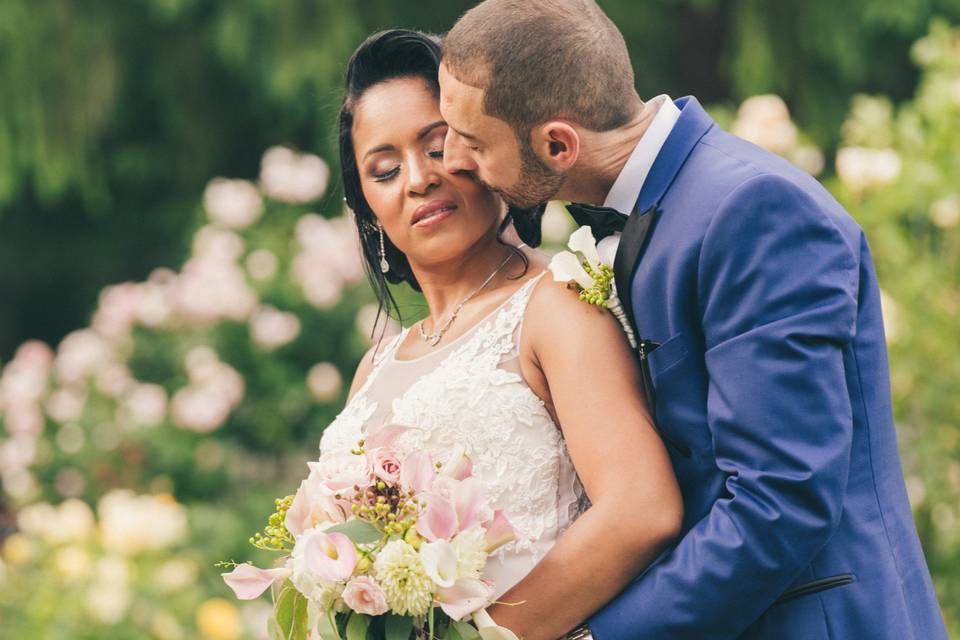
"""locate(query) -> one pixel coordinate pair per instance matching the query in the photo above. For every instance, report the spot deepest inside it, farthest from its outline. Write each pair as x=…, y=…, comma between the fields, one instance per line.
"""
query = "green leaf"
x=359, y=531
x=357, y=626
x=452, y=633
x=274, y=632
x=397, y=627
x=291, y=613
x=327, y=627
x=466, y=630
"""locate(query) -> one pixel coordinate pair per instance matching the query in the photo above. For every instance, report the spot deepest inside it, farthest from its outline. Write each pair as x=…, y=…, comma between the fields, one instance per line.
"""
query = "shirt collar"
x=626, y=188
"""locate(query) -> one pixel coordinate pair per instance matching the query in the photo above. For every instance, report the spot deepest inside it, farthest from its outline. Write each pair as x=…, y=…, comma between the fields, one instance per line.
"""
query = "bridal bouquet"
x=380, y=544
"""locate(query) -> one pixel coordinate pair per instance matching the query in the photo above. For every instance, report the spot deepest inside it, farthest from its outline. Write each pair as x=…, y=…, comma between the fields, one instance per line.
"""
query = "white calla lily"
x=439, y=560
x=566, y=266
x=582, y=240
x=490, y=630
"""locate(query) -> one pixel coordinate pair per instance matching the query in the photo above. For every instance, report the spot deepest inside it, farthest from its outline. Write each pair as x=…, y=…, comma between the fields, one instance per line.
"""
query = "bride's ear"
x=557, y=143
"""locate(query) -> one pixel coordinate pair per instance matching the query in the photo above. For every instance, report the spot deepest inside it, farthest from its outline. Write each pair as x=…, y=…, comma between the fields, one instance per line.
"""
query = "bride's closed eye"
x=386, y=176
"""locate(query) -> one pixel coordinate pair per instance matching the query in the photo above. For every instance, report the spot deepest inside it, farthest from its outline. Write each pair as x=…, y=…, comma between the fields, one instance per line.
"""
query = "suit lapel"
x=692, y=124
x=632, y=241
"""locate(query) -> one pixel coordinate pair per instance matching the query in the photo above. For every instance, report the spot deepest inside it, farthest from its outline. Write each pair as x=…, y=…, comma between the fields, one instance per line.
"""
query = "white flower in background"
x=80, y=355
x=145, y=405
x=271, y=328
x=892, y=317
x=17, y=452
x=19, y=484
x=175, y=575
x=289, y=176
x=216, y=244
x=234, y=204
x=324, y=382
x=262, y=264
x=199, y=409
x=131, y=523
x=155, y=304
x=25, y=378
x=71, y=438
x=215, y=389
x=861, y=168
x=557, y=225
x=73, y=563
x=114, y=380
x=107, y=603
x=809, y=158
x=209, y=290
x=66, y=404
x=23, y=418
x=329, y=259
x=116, y=310
x=765, y=121
x=945, y=212
x=72, y=521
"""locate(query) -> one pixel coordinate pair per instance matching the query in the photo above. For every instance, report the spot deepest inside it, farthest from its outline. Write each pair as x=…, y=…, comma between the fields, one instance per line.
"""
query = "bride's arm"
x=577, y=354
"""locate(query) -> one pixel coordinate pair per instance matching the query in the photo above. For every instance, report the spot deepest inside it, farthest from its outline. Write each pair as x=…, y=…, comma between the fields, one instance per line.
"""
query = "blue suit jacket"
x=772, y=393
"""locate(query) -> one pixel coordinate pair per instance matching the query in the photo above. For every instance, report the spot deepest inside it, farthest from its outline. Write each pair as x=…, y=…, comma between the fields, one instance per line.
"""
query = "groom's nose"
x=456, y=157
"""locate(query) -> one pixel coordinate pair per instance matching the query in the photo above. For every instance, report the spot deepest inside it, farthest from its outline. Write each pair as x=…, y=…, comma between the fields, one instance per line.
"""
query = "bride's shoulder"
x=556, y=308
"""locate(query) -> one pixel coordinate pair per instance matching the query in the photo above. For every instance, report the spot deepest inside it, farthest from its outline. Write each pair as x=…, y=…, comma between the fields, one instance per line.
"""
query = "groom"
x=763, y=346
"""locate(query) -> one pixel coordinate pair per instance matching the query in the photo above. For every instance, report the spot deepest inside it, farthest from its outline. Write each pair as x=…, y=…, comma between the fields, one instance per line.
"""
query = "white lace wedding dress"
x=470, y=391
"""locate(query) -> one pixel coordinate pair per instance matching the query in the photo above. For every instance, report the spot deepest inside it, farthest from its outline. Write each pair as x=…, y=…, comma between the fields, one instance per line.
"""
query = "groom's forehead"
x=461, y=103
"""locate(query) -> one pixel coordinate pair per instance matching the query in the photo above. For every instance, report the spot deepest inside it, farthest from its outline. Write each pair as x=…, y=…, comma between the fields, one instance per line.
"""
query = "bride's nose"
x=422, y=177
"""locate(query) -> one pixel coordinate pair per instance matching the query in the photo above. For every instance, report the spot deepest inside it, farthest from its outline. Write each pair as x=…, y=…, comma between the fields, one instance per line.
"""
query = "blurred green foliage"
x=114, y=115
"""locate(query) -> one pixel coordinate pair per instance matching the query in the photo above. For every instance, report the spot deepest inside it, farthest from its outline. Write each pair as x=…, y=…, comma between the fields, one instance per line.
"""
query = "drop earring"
x=384, y=265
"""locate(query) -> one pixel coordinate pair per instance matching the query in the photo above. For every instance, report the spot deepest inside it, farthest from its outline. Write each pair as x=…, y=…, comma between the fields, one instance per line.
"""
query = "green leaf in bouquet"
x=397, y=627
x=464, y=631
x=327, y=626
x=357, y=626
x=291, y=613
x=359, y=531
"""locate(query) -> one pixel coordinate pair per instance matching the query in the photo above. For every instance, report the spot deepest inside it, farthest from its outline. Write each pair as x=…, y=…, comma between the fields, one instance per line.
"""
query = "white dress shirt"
x=626, y=188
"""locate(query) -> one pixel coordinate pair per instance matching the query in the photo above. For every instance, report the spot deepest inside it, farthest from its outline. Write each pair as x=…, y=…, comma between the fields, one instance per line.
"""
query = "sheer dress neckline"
x=443, y=349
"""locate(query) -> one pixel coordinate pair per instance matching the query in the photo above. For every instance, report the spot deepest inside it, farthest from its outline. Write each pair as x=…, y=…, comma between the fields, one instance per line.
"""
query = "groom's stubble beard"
x=537, y=184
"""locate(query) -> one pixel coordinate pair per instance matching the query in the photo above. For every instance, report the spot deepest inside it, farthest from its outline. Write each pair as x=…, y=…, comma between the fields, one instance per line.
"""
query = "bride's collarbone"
x=470, y=317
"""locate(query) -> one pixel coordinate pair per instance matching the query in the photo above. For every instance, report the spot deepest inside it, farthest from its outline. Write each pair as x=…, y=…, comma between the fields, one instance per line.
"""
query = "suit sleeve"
x=778, y=298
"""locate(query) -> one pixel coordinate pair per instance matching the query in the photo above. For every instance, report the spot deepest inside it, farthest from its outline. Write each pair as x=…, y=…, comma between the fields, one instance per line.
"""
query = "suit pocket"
x=815, y=586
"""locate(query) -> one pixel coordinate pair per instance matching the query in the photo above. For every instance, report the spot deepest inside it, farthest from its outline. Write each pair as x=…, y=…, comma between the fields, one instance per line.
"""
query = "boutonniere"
x=592, y=277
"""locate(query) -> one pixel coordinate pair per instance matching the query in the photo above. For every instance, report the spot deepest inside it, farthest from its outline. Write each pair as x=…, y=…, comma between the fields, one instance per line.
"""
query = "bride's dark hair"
x=398, y=53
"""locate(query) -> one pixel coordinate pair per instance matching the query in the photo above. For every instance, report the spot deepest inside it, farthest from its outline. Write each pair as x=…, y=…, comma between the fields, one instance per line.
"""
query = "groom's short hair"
x=543, y=59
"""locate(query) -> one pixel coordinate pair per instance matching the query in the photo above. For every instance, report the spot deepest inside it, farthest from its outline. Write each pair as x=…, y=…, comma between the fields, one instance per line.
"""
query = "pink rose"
x=342, y=470
x=364, y=595
x=386, y=465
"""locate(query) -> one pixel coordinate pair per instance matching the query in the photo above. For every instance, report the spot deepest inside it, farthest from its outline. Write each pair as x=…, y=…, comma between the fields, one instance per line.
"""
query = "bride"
x=540, y=388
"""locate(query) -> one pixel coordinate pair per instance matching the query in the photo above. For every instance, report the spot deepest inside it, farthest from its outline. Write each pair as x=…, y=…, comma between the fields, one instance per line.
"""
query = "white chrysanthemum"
x=470, y=546
x=399, y=571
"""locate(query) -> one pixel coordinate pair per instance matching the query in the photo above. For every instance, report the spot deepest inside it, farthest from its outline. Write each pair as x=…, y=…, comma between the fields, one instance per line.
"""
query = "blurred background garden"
x=183, y=303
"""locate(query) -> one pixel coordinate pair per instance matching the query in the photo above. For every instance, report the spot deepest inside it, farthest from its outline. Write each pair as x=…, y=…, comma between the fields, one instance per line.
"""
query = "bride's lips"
x=432, y=213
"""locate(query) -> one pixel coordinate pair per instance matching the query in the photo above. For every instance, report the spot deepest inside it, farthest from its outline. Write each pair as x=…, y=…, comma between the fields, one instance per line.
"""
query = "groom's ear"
x=557, y=143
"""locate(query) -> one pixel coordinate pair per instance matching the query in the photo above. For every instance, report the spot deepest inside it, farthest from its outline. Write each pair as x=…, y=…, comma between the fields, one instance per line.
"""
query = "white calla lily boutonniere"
x=592, y=276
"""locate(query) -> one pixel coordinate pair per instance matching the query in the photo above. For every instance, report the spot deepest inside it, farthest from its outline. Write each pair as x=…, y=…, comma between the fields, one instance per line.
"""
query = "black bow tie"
x=603, y=221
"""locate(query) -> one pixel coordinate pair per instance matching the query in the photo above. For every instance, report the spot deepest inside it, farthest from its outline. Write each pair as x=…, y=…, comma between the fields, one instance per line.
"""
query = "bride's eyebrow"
x=420, y=136
x=430, y=127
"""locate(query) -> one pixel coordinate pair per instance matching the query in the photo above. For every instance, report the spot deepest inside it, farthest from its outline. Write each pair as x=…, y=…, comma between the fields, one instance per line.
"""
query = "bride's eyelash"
x=389, y=175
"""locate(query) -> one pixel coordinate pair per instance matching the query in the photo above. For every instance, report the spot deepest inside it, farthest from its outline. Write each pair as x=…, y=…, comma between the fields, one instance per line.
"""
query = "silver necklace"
x=433, y=338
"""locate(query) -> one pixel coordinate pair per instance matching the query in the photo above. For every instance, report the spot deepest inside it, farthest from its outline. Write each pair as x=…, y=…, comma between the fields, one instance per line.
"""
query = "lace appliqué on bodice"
x=473, y=394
